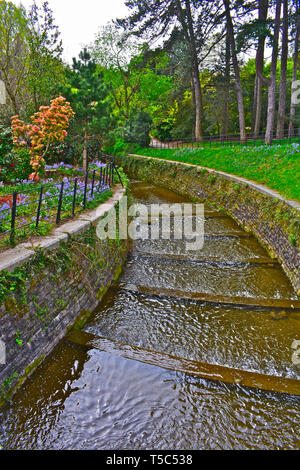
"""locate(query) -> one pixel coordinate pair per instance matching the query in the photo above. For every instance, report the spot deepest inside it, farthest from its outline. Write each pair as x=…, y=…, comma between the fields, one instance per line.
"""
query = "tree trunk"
x=186, y=21
x=199, y=106
x=272, y=86
x=254, y=108
x=262, y=16
x=35, y=101
x=258, y=107
x=295, y=68
x=239, y=90
x=196, y=75
x=225, y=118
x=85, y=155
x=284, y=59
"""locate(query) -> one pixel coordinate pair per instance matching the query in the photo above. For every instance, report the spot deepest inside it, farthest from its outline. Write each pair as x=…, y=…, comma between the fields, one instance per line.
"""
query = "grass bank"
x=277, y=166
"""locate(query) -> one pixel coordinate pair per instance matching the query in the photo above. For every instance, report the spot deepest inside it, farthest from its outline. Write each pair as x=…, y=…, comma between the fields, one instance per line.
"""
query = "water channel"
x=124, y=382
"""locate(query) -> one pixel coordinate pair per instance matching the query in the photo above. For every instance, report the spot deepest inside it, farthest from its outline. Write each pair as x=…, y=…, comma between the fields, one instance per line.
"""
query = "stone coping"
x=14, y=257
x=257, y=186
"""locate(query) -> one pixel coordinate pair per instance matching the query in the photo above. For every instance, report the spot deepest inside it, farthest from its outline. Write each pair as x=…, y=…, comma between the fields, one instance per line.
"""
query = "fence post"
x=85, y=190
x=118, y=175
x=110, y=173
x=100, y=178
x=39, y=208
x=60, y=203
x=13, y=218
x=74, y=197
x=93, y=182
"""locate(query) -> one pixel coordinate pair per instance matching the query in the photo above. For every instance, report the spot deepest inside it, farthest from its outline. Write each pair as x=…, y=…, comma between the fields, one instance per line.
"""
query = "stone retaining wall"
x=60, y=281
x=274, y=221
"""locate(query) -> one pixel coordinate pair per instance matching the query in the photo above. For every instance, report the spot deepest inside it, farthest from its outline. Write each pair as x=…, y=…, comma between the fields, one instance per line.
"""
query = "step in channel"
x=202, y=297
x=199, y=369
x=200, y=260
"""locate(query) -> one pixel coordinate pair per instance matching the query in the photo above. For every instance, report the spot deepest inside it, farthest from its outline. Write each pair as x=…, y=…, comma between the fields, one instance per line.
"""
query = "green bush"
x=122, y=148
x=137, y=129
x=6, y=141
x=163, y=132
x=15, y=165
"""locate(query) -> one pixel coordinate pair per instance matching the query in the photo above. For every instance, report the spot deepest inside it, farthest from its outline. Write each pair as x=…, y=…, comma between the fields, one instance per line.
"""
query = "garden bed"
x=29, y=209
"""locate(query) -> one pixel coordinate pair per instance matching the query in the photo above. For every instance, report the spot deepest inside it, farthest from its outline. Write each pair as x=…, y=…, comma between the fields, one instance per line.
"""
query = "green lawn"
x=276, y=166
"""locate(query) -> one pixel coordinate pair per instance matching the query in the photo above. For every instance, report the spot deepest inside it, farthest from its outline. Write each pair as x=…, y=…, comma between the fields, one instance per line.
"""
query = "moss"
x=81, y=321
x=8, y=387
x=30, y=369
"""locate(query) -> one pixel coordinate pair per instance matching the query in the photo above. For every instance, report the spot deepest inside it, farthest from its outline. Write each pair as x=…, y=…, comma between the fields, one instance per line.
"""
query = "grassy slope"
x=277, y=166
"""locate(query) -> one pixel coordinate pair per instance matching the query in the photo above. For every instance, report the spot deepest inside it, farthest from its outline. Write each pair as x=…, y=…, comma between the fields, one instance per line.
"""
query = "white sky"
x=79, y=21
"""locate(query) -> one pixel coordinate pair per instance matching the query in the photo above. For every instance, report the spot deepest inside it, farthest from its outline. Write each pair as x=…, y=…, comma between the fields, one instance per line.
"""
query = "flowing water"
x=127, y=386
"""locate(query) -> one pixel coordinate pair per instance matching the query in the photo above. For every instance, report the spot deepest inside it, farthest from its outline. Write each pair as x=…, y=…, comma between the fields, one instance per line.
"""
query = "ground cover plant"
x=276, y=166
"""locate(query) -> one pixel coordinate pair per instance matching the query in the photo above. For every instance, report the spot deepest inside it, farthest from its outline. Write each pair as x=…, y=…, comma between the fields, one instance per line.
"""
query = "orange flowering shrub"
x=48, y=125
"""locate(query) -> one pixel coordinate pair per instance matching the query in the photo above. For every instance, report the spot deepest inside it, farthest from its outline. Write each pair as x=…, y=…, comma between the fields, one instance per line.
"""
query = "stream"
x=127, y=382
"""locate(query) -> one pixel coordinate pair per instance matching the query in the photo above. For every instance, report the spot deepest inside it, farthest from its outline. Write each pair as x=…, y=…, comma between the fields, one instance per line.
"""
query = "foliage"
x=44, y=65
x=13, y=51
x=49, y=124
x=137, y=129
x=87, y=94
x=6, y=141
x=15, y=165
x=30, y=58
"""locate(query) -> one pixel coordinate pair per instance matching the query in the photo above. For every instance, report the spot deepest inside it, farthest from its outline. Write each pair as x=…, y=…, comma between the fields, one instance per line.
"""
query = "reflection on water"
x=89, y=399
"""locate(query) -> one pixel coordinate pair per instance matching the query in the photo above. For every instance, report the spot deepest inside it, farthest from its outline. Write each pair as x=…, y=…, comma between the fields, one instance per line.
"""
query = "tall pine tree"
x=87, y=95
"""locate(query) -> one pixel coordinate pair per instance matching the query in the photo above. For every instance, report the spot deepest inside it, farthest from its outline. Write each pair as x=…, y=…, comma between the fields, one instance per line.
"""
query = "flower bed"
x=38, y=207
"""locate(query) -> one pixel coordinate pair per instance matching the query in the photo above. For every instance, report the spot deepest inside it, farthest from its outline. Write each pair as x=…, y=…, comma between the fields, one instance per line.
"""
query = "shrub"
x=138, y=128
x=6, y=141
x=15, y=165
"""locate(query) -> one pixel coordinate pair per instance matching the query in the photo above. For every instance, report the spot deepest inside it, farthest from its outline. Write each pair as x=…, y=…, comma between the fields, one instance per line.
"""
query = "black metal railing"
x=23, y=213
x=224, y=140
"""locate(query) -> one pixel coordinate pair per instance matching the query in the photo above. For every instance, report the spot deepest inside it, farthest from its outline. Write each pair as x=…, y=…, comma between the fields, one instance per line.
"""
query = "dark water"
x=85, y=398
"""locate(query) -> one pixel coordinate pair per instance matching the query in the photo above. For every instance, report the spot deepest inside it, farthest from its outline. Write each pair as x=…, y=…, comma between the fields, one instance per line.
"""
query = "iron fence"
x=29, y=212
x=224, y=140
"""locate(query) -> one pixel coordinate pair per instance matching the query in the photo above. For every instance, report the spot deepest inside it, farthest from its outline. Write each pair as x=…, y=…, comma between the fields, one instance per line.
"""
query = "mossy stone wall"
x=57, y=290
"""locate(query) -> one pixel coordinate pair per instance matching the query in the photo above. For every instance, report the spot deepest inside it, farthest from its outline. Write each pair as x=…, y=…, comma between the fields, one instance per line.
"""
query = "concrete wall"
x=273, y=220
x=60, y=281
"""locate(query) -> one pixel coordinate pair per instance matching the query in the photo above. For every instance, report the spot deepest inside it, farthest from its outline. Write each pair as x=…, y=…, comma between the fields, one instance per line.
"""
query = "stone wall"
x=274, y=221
x=53, y=291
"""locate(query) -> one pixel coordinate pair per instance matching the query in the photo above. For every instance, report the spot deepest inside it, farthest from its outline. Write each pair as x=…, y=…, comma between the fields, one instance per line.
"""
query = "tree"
x=48, y=125
x=239, y=90
x=114, y=51
x=295, y=68
x=283, y=70
x=263, y=6
x=44, y=64
x=87, y=94
x=272, y=82
x=13, y=53
x=159, y=19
